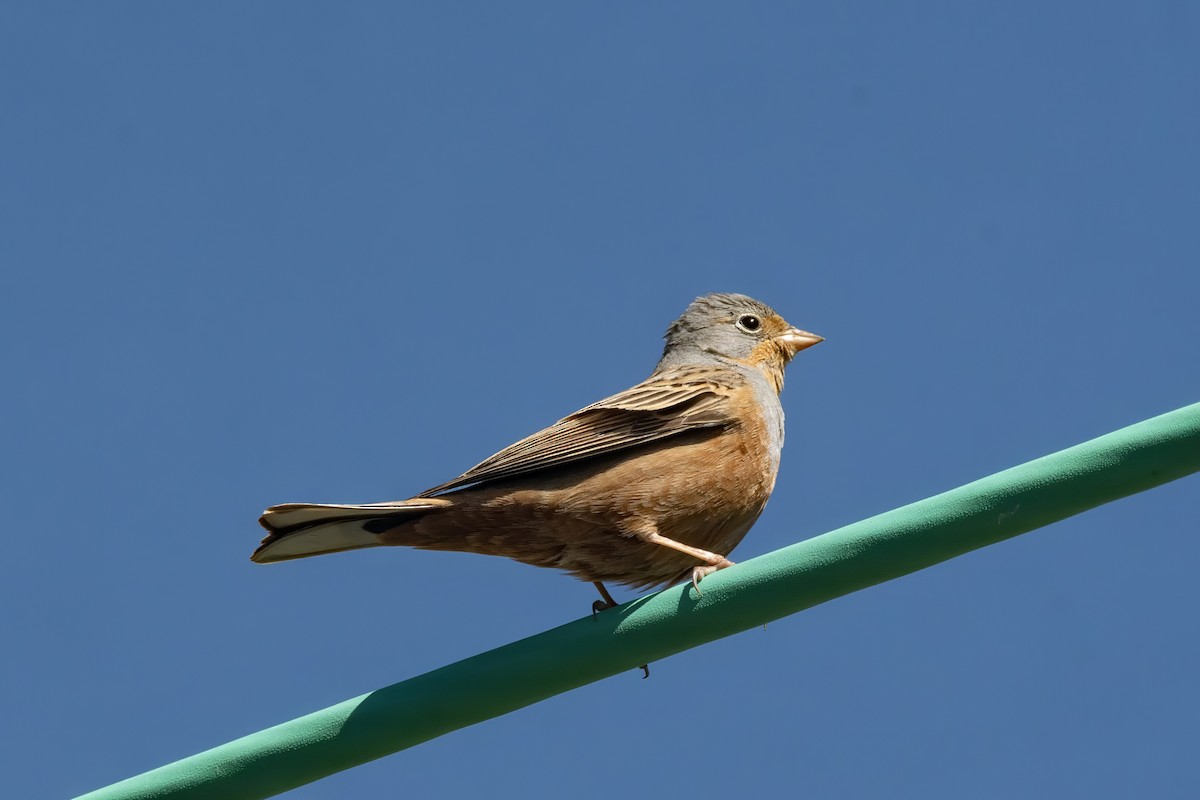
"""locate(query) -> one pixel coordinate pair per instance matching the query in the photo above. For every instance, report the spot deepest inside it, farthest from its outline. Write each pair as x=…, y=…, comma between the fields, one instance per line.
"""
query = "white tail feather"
x=331, y=538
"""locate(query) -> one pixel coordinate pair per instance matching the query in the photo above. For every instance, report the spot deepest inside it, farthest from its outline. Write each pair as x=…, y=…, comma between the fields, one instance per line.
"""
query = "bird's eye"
x=749, y=323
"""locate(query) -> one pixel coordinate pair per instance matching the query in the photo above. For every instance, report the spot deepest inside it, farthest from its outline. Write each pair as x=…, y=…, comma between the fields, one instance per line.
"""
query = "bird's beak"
x=796, y=340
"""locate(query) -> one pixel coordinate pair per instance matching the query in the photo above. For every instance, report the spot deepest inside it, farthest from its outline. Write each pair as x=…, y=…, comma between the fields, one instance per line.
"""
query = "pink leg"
x=713, y=561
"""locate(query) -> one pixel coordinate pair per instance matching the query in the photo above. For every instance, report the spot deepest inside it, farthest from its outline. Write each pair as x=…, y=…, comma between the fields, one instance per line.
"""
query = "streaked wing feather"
x=665, y=404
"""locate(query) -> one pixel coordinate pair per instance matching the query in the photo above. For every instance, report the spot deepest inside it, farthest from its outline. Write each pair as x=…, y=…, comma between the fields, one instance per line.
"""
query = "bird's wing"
x=666, y=404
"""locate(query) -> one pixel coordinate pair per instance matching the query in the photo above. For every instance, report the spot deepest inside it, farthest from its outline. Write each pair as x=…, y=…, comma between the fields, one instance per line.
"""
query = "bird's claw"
x=701, y=572
x=605, y=604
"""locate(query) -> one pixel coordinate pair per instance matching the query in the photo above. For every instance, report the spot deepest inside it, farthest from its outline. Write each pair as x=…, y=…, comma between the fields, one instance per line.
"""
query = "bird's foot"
x=605, y=604
x=700, y=573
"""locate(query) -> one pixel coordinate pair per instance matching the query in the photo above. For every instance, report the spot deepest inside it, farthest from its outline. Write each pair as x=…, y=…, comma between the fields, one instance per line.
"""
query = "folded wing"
x=666, y=404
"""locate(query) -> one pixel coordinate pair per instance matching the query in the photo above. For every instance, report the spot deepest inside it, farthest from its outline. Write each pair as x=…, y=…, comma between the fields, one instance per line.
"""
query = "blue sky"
x=266, y=252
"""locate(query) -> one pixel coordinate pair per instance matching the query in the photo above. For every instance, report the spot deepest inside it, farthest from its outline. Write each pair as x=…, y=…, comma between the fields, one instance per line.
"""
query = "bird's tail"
x=298, y=530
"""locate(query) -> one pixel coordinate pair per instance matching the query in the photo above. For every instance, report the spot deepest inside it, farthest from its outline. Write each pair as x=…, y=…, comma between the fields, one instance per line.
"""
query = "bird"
x=650, y=487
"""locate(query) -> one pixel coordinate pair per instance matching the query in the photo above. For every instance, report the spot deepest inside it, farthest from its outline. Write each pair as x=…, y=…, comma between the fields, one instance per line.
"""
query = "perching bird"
x=652, y=486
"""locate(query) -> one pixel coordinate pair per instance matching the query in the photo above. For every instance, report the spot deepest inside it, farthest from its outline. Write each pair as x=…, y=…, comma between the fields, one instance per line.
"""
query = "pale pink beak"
x=796, y=340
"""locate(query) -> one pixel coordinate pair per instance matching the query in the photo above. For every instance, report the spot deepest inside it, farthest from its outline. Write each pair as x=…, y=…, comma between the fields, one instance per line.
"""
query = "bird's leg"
x=713, y=561
x=604, y=605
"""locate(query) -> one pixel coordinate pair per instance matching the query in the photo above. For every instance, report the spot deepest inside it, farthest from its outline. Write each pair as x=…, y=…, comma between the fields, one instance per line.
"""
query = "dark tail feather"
x=299, y=530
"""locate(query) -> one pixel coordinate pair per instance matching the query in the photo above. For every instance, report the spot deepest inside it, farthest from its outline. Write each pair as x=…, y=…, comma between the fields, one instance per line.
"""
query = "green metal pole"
x=754, y=592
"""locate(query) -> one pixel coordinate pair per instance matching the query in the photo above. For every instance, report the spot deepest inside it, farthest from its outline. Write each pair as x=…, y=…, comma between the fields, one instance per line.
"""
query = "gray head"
x=722, y=327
